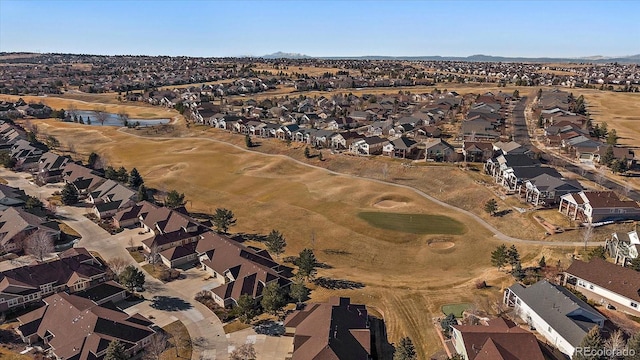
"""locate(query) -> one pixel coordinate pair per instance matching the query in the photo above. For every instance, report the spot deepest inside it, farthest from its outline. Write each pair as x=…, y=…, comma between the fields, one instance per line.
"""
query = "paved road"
x=497, y=233
x=201, y=323
x=522, y=135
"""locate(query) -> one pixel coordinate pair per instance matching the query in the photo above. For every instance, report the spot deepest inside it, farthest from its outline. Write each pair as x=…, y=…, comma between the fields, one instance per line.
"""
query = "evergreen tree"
x=116, y=351
x=275, y=243
x=598, y=252
x=93, y=159
x=491, y=206
x=307, y=264
x=246, y=308
x=446, y=324
x=110, y=173
x=131, y=277
x=135, y=180
x=513, y=256
x=143, y=193
x=591, y=341
x=122, y=175
x=612, y=137
x=307, y=153
x=223, y=219
x=248, y=142
x=273, y=298
x=405, y=350
x=499, y=256
x=635, y=264
x=618, y=166
x=298, y=291
x=542, y=263
x=608, y=156
x=174, y=199
x=69, y=194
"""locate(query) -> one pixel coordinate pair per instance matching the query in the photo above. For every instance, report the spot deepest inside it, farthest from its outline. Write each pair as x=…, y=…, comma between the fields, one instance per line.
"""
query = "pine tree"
x=405, y=350
x=273, y=298
x=223, y=219
x=247, y=141
x=542, y=263
x=499, y=256
x=135, y=180
x=307, y=153
x=275, y=243
x=306, y=264
x=174, y=199
x=69, y=194
x=298, y=291
x=142, y=194
x=591, y=341
x=116, y=351
x=491, y=206
x=608, y=156
x=513, y=256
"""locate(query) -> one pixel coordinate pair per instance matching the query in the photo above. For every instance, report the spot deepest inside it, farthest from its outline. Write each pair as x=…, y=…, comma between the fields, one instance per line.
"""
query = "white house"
x=606, y=283
x=554, y=312
x=624, y=247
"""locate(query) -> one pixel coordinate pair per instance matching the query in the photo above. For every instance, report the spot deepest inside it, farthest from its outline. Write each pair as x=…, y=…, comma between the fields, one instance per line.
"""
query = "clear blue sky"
x=323, y=28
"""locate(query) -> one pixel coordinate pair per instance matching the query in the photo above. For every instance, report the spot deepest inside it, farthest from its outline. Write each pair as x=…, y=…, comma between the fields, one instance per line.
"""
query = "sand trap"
x=389, y=204
x=441, y=244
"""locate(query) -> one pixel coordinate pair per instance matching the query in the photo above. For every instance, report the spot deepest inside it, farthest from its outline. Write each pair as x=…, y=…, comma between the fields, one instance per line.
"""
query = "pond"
x=114, y=120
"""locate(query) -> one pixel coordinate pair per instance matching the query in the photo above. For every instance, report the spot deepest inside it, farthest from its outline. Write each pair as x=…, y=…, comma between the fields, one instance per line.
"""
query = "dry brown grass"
x=98, y=101
x=405, y=279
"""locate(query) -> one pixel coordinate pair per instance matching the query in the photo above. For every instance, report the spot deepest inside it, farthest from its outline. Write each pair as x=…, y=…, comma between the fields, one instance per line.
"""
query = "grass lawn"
x=455, y=309
x=414, y=223
x=154, y=271
x=137, y=256
x=177, y=333
x=8, y=354
x=235, y=325
x=68, y=230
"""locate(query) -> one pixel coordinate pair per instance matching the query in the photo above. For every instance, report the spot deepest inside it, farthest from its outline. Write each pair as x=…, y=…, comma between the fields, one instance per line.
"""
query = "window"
x=550, y=330
x=634, y=305
x=590, y=287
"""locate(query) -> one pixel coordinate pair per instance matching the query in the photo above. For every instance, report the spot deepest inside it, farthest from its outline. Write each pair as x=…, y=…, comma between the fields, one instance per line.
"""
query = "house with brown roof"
x=17, y=225
x=50, y=167
x=75, y=328
x=439, y=150
x=606, y=284
x=242, y=269
x=111, y=197
x=498, y=339
x=475, y=151
x=82, y=178
x=336, y=330
x=598, y=206
x=74, y=270
x=10, y=196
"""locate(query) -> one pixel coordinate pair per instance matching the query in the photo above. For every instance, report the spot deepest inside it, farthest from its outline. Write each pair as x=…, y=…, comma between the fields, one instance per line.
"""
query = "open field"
x=309, y=70
x=413, y=223
x=88, y=102
x=405, y=278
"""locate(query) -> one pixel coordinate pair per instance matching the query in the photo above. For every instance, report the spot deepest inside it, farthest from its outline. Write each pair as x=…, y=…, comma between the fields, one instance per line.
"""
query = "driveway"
x=164, y=303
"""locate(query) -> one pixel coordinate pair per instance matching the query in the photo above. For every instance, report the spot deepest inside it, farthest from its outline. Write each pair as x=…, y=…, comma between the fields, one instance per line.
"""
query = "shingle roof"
x=331, y=331
x=559, y=308
x=618, y=279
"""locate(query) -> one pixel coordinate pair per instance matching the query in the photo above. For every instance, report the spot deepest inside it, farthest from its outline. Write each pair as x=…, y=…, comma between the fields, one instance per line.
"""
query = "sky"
x=322, y=28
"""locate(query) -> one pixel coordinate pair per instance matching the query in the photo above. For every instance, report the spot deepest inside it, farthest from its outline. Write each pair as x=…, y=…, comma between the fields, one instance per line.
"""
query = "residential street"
x=201, y=323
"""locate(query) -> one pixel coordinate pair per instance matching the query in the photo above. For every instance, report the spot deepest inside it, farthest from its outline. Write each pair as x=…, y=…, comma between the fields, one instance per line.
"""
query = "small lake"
x=114, y=120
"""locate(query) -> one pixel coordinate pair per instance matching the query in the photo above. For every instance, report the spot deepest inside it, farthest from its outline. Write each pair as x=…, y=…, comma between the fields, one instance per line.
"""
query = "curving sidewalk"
x=497, y=233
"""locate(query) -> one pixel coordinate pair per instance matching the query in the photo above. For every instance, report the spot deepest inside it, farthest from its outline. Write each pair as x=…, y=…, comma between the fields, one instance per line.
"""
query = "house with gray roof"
x=554, y=312
x=546, y=189
x=401, y=147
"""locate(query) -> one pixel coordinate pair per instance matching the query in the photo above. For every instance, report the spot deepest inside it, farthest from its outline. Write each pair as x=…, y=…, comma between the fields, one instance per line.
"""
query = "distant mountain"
x=284, y=55
x=473, y=58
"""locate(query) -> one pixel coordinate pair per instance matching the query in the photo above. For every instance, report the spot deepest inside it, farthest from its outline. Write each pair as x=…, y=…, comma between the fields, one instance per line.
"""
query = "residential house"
x=17, y=226
x=82, y=178
x=606, y=284
x=73, y=271
x=74, y=328
x=368, y=146
x=111, y=197
x=624, y=247
x=554, y=312
x=545, y=189
x=598, y=206
x=498, y=339
x=479, y=129
x=474, y=151
x=439, y=150
x=243, y=270
x=401, y=147
x=510, y=147
x=50, y=168
x=335, y=330
x=10, y=196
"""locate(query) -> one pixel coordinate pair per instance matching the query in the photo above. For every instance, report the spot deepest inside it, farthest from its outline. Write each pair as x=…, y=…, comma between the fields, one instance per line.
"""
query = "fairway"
x=414, y=223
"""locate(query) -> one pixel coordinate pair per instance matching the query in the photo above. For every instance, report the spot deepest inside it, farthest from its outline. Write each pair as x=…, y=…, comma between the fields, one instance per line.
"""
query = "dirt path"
x=497, y=233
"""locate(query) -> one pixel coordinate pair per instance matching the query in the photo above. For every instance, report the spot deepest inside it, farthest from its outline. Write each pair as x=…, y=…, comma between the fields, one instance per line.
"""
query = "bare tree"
x=72, y=111
x=39, y=244
x=117, y=264
x=101, y=115
x=615, y=344
x=243, y=352
x=586, y=234
x=156, y=347
x=123, y=117
x=181, y=340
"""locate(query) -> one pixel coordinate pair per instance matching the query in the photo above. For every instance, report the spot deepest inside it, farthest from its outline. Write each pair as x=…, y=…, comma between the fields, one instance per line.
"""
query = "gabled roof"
x=58, y=272
x=500, y=339
x=559, y=308
x=620, y=280
x=331, y=331
x=17, y=222
x=80, y=328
